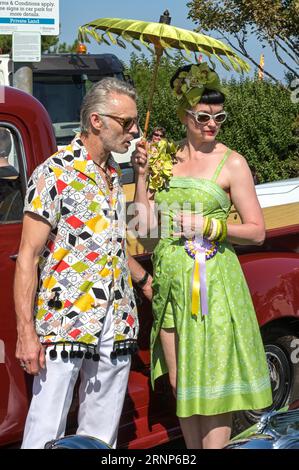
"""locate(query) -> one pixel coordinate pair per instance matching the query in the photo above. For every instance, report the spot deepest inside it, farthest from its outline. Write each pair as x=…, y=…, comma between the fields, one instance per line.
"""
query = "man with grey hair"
x=85, y=318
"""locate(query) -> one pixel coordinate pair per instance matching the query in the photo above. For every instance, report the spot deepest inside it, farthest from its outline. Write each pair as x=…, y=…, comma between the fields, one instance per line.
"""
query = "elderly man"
x=85, y=317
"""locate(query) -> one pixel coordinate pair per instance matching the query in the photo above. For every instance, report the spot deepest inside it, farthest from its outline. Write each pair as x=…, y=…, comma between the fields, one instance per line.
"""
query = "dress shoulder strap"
x=221, y=164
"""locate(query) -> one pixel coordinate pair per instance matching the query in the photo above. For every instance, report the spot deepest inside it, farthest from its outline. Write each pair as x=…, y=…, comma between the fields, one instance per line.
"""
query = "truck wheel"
x=278, y=351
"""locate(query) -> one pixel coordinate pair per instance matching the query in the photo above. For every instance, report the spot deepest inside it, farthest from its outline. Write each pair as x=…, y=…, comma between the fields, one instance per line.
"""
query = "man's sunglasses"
x=126, y=123
x=157, y=134
x=204, y=118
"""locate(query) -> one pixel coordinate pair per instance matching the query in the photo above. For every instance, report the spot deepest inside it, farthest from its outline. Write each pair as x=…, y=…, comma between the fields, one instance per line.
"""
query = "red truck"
x=272, y=273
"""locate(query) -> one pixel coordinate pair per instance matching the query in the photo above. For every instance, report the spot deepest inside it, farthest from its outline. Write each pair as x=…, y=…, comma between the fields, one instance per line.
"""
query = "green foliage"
x=65, y=48
x=269, y=18
x=48, y=42
x=261, y=126
x=5, y=44
x=262, y=123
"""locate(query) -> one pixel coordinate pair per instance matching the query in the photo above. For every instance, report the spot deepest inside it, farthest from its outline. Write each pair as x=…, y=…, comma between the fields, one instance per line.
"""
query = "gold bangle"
x=213, y=232
x=224, y=231
x=206, y=226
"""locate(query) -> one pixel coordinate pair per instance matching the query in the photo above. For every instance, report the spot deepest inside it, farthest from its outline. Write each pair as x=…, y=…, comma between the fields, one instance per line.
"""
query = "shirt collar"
x=84, y=163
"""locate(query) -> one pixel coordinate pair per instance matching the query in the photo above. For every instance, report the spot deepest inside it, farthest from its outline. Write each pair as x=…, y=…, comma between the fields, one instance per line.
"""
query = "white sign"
x=26, y=47
x=29, y=15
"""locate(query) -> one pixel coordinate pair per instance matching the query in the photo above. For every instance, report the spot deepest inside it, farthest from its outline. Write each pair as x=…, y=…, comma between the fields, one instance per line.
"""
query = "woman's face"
x=157, y=136
x=206, y=131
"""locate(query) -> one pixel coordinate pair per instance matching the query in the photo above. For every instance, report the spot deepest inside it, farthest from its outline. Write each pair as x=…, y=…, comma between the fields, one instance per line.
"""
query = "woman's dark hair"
x=209, y=96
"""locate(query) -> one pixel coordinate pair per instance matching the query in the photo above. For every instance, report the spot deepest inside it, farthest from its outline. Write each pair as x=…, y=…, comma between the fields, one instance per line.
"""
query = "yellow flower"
x=161, y=158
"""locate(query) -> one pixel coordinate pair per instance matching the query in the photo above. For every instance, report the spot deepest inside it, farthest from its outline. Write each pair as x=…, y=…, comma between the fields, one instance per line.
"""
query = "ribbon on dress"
x=200, y=250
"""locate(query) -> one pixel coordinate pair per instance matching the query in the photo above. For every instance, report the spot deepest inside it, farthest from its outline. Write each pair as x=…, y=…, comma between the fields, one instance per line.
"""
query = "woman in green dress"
x=205, y=332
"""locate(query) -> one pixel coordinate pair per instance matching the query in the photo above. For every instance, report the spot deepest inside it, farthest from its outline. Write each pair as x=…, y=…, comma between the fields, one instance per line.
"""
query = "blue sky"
x=74, y=13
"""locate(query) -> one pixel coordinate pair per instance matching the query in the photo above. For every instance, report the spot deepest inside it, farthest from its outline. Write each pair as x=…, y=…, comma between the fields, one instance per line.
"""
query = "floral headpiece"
x=190, y=85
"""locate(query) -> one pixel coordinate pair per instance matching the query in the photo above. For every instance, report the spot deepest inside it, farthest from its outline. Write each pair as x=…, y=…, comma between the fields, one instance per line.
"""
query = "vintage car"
x=274, y=430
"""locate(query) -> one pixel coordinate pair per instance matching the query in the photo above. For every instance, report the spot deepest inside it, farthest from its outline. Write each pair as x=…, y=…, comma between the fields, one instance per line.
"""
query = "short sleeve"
x=42, y=197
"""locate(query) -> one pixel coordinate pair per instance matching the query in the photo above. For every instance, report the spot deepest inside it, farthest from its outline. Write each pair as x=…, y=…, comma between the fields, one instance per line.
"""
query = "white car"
x=278, y=192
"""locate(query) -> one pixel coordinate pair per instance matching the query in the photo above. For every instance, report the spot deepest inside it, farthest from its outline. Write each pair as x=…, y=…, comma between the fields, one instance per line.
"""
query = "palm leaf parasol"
x=158, y=38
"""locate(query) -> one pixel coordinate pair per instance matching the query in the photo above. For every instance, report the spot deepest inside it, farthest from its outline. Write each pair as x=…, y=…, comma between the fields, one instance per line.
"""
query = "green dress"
x=221, y=360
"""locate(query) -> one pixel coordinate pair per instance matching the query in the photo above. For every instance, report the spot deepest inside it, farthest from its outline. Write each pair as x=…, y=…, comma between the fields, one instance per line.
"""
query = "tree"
x=274, y=22
x=261, y=125
x=63, y=47
x=5, y=44
x=47, y=43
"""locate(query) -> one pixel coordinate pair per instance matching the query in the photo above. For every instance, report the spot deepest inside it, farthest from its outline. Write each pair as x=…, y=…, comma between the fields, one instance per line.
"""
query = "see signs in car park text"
x=29, y=15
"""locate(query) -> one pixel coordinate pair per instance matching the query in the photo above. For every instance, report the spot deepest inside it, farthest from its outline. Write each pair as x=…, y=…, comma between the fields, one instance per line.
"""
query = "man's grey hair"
x=97, y=99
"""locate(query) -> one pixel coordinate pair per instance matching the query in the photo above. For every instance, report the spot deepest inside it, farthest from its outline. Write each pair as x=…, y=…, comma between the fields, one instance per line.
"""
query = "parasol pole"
x=165, y=18
x=159, y=52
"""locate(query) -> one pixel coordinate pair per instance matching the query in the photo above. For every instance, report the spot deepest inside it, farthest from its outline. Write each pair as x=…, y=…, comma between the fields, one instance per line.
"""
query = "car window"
x=11, y=197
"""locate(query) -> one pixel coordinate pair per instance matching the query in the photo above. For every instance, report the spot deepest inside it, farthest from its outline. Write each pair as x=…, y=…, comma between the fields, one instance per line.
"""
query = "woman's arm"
x=243, y=196
x=143, y=199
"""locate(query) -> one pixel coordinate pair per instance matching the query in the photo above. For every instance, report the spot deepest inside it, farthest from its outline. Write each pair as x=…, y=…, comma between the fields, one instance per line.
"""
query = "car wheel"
x=278, y=352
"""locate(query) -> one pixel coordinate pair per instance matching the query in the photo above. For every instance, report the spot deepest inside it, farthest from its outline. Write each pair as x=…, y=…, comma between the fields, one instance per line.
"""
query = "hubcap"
x=280, y=376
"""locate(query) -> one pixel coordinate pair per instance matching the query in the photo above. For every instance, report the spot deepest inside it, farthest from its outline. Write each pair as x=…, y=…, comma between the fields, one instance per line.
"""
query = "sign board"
x=37, y=16
x=26, y=47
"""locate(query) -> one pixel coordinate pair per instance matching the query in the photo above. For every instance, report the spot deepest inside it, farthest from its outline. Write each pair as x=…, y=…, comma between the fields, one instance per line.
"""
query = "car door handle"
x=14, y=257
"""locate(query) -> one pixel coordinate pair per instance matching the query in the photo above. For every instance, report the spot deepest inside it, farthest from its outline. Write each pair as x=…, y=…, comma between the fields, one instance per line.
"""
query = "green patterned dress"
x=221, y=360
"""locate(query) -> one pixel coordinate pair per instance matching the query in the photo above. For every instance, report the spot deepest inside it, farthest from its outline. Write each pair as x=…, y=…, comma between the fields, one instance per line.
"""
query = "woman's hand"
x=147, y=289
x=139, y=159
x=188, y=225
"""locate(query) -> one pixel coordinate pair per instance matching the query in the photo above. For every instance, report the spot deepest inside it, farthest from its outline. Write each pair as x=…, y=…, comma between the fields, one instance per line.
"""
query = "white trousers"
x=101, y=394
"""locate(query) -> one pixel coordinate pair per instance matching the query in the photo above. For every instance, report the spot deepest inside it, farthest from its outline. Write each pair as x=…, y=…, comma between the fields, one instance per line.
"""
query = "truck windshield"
x=62, y=97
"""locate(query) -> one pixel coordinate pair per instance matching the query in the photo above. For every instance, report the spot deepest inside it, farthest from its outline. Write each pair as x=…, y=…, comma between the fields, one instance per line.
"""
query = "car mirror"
x=8, y=173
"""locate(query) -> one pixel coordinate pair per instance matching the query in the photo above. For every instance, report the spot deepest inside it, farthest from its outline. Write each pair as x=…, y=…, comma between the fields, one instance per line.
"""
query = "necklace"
x=108, y=177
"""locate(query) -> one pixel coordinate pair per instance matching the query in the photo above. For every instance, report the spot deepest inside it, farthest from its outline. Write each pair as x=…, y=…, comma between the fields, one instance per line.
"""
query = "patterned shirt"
x=84, y=265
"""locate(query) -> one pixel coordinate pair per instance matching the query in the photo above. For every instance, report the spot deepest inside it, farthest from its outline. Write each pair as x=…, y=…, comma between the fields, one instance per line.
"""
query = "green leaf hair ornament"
x=189, y=86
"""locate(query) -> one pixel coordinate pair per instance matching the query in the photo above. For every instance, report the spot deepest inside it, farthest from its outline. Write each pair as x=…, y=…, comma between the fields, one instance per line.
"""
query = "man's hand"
x=30, y=352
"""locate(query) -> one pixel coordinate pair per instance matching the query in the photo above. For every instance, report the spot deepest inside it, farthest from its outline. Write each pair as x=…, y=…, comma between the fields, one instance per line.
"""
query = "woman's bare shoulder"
x=236, y=161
